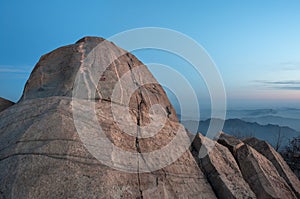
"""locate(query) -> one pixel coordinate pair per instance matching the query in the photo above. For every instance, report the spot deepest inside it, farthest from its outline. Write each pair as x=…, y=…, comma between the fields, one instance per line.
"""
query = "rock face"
x=51, y=145
x=261, y=174
x=258, y=171
x=55, y=73
x=221, y=168
x=229, y=141
x=4, y=104
x=43, y=156
x=281, y=166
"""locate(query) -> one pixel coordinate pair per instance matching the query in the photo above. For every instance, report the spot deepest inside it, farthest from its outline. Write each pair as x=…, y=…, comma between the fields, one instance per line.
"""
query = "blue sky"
x=255, y=44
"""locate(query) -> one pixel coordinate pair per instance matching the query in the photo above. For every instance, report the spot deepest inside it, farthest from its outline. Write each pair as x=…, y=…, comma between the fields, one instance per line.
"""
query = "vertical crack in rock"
x=168, y=111
x=139, y=116
x=156, y=181
x=137, y=144
x=140, y=103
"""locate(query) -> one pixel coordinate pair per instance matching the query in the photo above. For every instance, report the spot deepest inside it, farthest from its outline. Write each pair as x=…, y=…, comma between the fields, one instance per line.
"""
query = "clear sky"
x=255, y=44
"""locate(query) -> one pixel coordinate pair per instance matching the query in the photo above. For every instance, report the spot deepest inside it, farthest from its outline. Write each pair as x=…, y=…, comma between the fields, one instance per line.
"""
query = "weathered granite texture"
x=43, y=154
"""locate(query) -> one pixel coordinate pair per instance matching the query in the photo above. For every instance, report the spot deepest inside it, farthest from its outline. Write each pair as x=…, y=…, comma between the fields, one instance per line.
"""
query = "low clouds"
x=14, y=72
x=285, y=76
x=15, y=69
x=11, y=70
x=281, y=85
x=289, y=82
x=289, y=88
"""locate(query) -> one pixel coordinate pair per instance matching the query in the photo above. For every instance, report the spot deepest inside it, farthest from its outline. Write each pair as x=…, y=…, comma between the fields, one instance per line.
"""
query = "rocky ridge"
x=42, y=154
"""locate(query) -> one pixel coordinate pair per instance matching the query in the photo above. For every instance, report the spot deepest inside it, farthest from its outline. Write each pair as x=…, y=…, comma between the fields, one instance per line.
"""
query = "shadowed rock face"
x=4, y=104
x=229, y=141
x=43, y=156
x=281, y=166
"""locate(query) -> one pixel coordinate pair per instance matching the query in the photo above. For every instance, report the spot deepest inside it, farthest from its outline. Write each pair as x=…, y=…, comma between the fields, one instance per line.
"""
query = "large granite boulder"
x=221, y=169
x=261, y=174
x=4, y=104
x=51, y=145
x=42, y=154
x=283, y=169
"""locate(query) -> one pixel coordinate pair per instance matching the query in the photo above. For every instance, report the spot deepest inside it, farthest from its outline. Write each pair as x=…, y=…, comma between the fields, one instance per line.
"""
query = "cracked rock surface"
x=50, y=145
x=43, y=156
x=221, y=169
x=281, y=166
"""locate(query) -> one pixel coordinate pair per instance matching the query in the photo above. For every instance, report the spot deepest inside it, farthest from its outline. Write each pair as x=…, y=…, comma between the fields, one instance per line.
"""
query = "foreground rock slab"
x=261, y=174
x=283, y=169
x=221, y=169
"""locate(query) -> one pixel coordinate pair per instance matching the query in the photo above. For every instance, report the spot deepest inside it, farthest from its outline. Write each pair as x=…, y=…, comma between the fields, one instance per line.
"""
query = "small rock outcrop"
x=229, y=141
x=283, y=169
x=4, y=104
x=221, y=169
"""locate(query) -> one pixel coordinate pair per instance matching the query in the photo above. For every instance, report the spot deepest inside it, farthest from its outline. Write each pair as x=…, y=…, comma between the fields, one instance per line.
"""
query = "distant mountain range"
x=281, y=121
x=241, y=128
x=284, y=112
x=287, y=113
